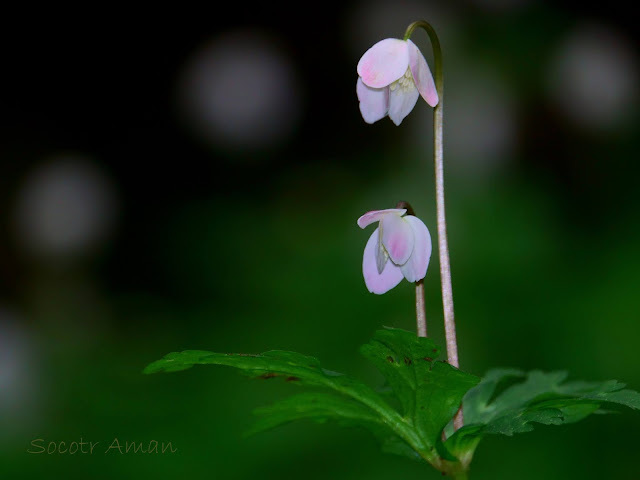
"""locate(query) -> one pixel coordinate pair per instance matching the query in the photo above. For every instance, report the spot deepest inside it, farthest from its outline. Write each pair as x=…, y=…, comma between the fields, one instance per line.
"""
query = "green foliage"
x=349, y=401
x=534, y=397
x=318, y=406
x=428, y=391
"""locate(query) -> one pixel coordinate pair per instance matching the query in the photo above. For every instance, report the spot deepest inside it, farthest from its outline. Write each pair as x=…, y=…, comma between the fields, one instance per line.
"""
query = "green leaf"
x=534, y=397
x=506, y=401
x=430, y=391
x=316, y=406
x=293, y=367
x=464, y=441
x=351, y=402
x=476, y=402
x=542, y=397
x=393, y=352
x=610, y=391
x=322, y=407
x=395, y=445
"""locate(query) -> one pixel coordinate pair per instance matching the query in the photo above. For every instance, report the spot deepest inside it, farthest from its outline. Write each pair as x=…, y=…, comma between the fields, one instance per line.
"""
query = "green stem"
x=456, y=470
x=443, y=247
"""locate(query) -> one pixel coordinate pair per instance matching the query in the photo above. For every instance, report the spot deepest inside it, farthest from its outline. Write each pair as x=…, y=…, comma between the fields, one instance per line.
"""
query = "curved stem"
x=443, y=247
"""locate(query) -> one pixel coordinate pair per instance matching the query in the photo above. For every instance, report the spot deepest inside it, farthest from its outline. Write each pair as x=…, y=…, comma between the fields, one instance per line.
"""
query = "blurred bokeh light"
x=241, y=92
x=594, y=76
x=65, y=208
x=20, y=384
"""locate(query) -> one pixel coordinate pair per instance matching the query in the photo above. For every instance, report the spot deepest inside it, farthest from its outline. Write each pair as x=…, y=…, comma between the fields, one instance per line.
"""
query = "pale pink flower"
x=399, y=248
x=391, y=76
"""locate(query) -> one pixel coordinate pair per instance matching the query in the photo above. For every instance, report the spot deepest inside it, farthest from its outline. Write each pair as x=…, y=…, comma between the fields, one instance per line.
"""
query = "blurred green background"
x=176, y=180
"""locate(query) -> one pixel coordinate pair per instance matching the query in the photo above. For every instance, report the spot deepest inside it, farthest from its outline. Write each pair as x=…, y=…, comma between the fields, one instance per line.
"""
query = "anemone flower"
x=399, y=248
x=391, y=76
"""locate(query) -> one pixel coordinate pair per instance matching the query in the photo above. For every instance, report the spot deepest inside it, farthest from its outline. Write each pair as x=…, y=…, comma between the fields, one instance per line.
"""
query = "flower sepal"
x=392, y=75
x=400, y=247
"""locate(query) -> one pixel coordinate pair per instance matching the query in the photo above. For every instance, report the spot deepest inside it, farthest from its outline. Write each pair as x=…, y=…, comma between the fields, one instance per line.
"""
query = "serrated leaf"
x=506, y=401
x=316, y=406
x=393, y=352
x=396, y=446
x=464, y=441
x=275, y=363
x=476, y=402
x=610, y=391
x=536, y=397
x=429, y=391
x=352, y=401
x=322, y=407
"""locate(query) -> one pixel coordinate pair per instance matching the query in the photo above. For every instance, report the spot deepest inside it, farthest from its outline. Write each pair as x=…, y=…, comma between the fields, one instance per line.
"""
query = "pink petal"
x=416, y=267
x=378, y=283
x=401, y=102
x=422, y=75
x=374, y=102
x=397, y=238
x=384, y=63
x=375, y=216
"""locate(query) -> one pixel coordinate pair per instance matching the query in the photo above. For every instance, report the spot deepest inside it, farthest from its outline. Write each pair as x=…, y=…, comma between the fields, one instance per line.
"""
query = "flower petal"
x=375, y=216
x=374, y=102
x=381, y=253
x=376, y=282
x=422, y=75
x=397, y=238
x=384, y=63
x=416, y=267
x=401, y=102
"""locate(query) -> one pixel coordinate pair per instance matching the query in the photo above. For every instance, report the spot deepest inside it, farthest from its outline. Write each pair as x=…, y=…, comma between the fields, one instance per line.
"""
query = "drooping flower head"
x=399, y=248
x=391, y=76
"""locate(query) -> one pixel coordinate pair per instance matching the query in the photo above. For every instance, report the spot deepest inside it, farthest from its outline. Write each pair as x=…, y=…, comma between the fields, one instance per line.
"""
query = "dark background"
x=182, y=179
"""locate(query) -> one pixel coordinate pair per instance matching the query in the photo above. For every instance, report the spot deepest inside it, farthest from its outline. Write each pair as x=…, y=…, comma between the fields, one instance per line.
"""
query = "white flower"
x=391, y=76
x=399, y=248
